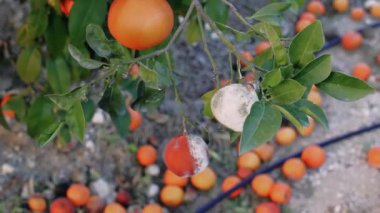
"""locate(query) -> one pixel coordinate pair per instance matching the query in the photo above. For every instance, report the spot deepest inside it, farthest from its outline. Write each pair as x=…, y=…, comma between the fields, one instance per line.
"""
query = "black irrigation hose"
x=276, y=164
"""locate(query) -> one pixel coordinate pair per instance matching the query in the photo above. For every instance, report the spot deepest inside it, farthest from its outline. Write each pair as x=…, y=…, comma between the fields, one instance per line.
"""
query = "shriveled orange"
x=172, y=196
x=341, y=5
x=286, y=135
x=265, y=152
x=308, y=16
x=204, y=180
x=313, y=156
x=262, y=46
x=66, y=6
x=146, y=155
x=37, y=204
x=280, y=193
x=352, y=40
x=315, y=97
x=262, y=184
x=134, y=71
x=247, y=56
x=172, y=179
x=362, y=71
x=7, y=113
x=114, y=208
x=373, y=157
x=302, y=24
x=229, y=182
x=140, y=24
x=375, y=10
x=308, y=130
x=294, y=169
x=78, y=194
x=152, y=208
x=267, y=207
x=357, y=13
x=136, y=119
x=249, y=160
x=316, y=7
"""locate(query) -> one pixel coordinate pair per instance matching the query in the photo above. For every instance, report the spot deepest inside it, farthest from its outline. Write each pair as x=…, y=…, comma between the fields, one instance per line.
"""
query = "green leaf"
x=76, y=120
x=37, y=21
x=49, y=134
x=17, y=104
x=279, y=51
x=89, y=108
x=207, y=103
x=306, y=42
x=98, y=41
x=272, y=78
x=149, y=76
x=120, y=51
x=287, y=92
x=40, y=116
x=271, y=12
x=344, y=87
x=163, y=74
x=234, y=136
x=82, y=60
x=23, y=36
x=294, y=115
x=113, y=101
x=264, y=57
x=316, y=71
x=83, y=13
x=193, y=32
x=150, y=97
x=56, y=35
x=314, y=111
x=121, y=123
x=239, y=35
x=217, y=11
x=58, y=75
x=29, y=64
x=67, y=100
x=260, y=126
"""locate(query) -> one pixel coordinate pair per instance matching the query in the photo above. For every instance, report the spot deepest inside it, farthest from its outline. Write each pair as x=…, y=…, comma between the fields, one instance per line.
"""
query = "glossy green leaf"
x=40, y=116
x=234, y=136
x=344, y=87
x=316, y=71
x=113, y=101
x=149, y=76
x=37, y=21
x=217, y=10
x=163, y=74
x=17, y=104
x=314, y=111
x=120, y=51
x=193, y=32
x=294, y=115
x=76, y=120
x=58, y=75
x=29, y=64
x=83, y=13
x=98, y=41
x=150, y=97
x=260, y=126
x=82, y=60
x=56, y=35
x=49, y=134
x=264, y=57
x=66, y=101
x=287, y=92
x=121, y=123
x=271, y=12
x=272, y=78
x=306, y=42
x=89, y=108
x=23, y=36
x=207, y=103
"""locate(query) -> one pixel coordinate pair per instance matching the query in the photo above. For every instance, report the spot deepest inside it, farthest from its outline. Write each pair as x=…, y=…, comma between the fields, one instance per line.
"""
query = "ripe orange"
x=315, y=97
x=357, y=13
x=247, y=56
x=286, y=135
x=134, y=71
x=262, y=46
x=95, y=205
x=302, y=24
x=313, y=156
x=62, y=205
x=308, y=16
x=249, y=160
x=152, y=208
x=136, y=119
x=362, y=71
x=229, y=183
x=37, y=204
x=262, y=185
x=78, y=194
x=66, y=6
x=341, y=5
x=204, y=180
x=351, y=40
x=140, y=24
x=267, y=207
x=373, y=157
x=294, y=169
x=316, y=7
x=114, y=208
x=7, y=113
x=265, y=152
x=123, y=197
x=243, y=172
x=308, y=130
x=172, y=196
x=280, y=193
x=146, y=155
x=375, y=10
x=172, y=179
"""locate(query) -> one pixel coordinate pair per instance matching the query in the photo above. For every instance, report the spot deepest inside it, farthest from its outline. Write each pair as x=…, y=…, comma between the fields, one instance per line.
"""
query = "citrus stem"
x=237, y=14
x=231, y=66
x=207, y=50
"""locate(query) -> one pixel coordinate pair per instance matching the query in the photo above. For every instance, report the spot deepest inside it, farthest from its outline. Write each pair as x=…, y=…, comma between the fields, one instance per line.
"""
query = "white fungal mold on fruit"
x=231, y=105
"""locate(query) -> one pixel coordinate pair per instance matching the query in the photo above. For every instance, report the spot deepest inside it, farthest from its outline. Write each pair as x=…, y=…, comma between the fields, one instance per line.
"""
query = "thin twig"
x=237, y=14
x=207, y=50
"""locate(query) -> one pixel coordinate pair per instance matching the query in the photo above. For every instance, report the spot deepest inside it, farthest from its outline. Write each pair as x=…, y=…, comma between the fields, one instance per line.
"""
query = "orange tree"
x=70, y=49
